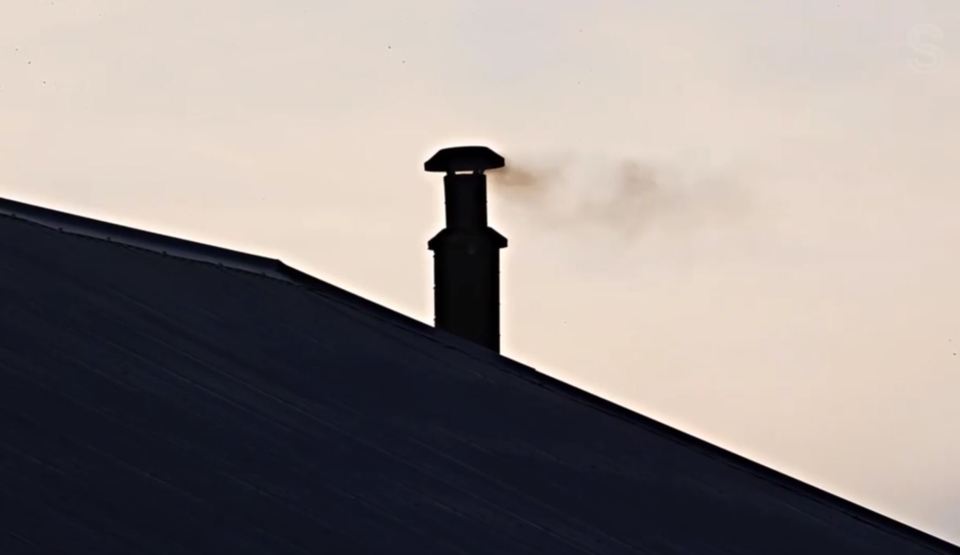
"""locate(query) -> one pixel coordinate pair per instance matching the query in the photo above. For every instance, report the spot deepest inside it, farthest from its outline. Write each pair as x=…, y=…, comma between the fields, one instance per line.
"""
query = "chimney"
x=466, y=254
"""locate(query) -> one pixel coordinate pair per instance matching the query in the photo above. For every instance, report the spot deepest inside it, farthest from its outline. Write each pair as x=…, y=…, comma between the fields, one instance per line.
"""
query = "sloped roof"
x=159, y=396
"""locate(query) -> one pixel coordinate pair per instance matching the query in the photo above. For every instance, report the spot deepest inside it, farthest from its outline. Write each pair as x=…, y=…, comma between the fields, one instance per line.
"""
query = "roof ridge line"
x=147, y=240
x=762, y=471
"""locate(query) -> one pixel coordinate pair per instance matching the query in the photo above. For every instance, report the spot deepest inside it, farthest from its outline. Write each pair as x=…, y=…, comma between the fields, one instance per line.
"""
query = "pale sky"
x=785, y=285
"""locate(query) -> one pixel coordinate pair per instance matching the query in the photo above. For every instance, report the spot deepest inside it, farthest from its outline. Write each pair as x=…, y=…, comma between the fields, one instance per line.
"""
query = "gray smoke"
x=625, y=197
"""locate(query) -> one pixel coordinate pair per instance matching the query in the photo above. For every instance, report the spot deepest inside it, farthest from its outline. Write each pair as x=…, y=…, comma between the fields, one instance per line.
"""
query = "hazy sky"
x=737, y=217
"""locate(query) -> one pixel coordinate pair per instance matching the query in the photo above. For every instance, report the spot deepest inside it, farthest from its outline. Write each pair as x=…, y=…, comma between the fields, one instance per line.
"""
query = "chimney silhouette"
x=466, y=254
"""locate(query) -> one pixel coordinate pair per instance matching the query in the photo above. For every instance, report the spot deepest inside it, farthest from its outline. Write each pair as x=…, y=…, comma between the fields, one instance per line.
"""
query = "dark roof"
x=205, y=401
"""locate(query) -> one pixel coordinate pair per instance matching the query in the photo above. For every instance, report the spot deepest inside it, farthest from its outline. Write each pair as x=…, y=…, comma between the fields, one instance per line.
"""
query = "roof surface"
x=205, y=401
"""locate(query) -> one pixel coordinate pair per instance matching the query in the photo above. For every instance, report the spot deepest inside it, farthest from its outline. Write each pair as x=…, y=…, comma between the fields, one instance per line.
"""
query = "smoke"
x=626, y=198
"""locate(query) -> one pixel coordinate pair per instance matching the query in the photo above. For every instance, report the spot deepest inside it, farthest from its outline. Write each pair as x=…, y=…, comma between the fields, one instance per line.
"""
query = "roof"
x=159, y=396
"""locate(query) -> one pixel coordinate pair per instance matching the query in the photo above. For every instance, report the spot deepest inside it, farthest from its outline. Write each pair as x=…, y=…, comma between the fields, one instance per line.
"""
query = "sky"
x=736, y=217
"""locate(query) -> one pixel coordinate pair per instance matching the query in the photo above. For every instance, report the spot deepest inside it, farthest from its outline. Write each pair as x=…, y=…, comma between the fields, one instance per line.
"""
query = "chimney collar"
x=464, y=158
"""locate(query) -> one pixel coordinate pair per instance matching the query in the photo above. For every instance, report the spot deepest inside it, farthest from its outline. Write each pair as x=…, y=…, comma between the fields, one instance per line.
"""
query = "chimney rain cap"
x=464, y=158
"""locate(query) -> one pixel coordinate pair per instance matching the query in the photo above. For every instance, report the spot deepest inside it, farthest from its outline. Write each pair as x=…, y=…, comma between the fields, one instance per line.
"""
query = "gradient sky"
x=781, y=279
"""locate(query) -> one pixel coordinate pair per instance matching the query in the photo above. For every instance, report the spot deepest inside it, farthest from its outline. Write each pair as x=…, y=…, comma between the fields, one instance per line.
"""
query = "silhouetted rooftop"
x=159, y=396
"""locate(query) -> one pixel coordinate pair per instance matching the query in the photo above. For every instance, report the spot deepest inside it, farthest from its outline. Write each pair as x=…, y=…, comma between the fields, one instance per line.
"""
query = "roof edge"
x=162, y=244
x=763, y=472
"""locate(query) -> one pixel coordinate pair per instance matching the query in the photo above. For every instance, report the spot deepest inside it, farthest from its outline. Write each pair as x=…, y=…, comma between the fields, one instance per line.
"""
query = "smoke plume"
x=625, y=197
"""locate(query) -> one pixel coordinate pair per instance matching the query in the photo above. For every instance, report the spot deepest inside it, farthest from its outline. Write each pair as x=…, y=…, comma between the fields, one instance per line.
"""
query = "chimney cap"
x=464, y=158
